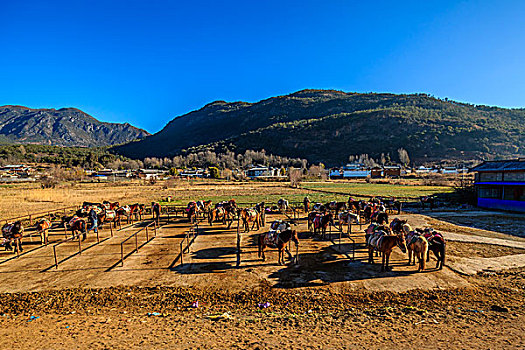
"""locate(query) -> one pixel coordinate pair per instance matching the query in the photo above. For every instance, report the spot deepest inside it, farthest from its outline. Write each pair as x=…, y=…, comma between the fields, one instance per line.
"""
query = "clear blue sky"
x=145, y=62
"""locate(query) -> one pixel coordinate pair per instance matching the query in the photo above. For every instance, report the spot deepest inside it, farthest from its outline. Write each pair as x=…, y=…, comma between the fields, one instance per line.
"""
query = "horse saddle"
x=6, y=230
x=252, y=212
x=317, y=221
x=73, y=220
x=110, y=214
x=375, y=239
x=271, y=238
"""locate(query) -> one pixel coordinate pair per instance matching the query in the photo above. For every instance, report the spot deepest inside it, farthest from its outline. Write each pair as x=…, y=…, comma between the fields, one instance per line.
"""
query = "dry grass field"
x=327, y=301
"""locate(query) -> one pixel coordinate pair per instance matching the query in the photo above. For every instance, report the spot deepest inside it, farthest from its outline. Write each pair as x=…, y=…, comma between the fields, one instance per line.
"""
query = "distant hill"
x=328, y=126
x=62, y=127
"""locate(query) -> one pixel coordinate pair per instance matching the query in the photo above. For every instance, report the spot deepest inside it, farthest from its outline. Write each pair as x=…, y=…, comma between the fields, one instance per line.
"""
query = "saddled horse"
x=336, y=206
x=436, y=244
x=13, y=232
x=191, y=212
x=137, y=210
x=346, y=218
x=380, y=217
x=123, y=211
x=320, y=223
x=278, y=240
x=417, y=246
x=392, y=205
x=397, y=224
x=383, y=242
x=218, y=213
x=110, y=206
x=282, y=204
x=250, y=215
x=75, y=224
x=43, y=226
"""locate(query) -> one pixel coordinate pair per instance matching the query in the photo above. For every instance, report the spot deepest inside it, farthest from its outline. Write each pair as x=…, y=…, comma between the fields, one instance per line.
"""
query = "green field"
x=371, y=189
x=334, y=191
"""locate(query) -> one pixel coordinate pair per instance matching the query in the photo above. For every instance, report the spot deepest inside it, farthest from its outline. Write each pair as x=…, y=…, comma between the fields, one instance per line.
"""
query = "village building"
x=263, y=172
x=501, y=184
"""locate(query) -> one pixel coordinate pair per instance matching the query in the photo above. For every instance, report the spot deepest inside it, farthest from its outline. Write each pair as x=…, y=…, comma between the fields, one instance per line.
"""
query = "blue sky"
x=146, y=62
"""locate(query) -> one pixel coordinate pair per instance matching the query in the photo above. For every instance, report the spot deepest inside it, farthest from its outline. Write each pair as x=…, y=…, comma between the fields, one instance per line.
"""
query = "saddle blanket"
x=376, y=239
x=6, y=230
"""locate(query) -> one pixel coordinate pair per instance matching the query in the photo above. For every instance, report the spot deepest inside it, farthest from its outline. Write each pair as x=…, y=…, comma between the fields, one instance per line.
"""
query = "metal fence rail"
x=135, y=237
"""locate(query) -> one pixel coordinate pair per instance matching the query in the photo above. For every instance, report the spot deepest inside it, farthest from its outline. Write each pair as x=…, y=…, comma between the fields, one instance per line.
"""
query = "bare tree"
x=403, y=156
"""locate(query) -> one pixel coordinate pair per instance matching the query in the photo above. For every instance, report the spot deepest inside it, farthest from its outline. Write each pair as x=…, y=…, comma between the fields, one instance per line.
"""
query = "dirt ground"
x=332, y=299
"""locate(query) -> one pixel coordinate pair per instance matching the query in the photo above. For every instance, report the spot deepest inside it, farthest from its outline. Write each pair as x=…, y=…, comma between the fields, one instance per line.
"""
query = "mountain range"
x=328, y=126
x=62, y=127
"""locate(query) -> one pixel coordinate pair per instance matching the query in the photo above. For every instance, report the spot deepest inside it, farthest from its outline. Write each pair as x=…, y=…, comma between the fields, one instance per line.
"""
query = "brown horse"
x=250, y=215
x=417, y=246
x=397, y=225
x=346, y=217
x=336, y=206
x=76, y=224
x=13, y=232
x=137, y=210
x=279, y=241
x=219, y=213
x=384, y=243
x=155, y=211
x=320, y=223
x=436, y=244
x=191, y=212
x=43, y=226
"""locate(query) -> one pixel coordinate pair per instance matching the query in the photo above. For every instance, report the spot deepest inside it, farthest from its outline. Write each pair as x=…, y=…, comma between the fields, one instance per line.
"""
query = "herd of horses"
x=106, y=212
x=381, y=235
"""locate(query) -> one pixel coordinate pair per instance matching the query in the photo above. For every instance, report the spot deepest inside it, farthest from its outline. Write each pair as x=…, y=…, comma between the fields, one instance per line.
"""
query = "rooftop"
x=501, y=165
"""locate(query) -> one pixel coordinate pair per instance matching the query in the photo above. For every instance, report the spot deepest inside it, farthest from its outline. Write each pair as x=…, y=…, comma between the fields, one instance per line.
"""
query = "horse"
x=278, y=240
x=219, y=213
x=13, y=232
x=397, y=225
x=110, y=206
x=393, y=204
x=43, y=226
x=380, y=217
x=137, y=210
x=346, y=217
x=250, y=215
x=417, y=246
x=261, y=207
x=77, y=224
x=123, y=211
x=155, y=212
x=427, y=199
x=191, y=212
x=384, y=243
x=306, y=204
x=320, y=223
x=336, y=206
x=282, y=204
x=318, y=207
x=436, y=244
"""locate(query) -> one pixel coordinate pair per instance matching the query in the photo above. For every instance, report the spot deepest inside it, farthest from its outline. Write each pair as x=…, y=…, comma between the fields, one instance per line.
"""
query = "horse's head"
x=18, y=227
x=401, y=243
